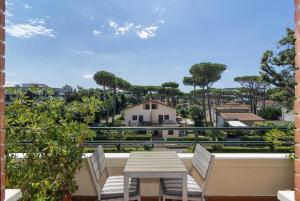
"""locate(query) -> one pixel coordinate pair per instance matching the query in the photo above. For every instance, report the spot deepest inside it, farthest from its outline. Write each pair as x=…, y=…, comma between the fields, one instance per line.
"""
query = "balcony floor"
x=208, y=199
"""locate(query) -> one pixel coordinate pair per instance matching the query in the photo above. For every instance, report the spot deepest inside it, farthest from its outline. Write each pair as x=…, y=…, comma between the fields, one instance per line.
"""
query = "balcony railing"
x=248, y=139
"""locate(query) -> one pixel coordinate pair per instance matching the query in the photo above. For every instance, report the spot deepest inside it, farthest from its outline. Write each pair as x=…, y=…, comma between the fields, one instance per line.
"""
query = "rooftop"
x=241, y=116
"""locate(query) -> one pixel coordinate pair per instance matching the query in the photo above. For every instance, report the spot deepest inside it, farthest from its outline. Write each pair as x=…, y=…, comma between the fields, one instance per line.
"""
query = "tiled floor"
x=208, y=199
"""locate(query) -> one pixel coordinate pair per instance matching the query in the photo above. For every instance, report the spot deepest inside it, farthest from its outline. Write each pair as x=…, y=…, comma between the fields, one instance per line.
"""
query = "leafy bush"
x=270, y=113
x=251, y=138
x=196, y=113
x=200, y=138
x=139, y=138
x=51, y=133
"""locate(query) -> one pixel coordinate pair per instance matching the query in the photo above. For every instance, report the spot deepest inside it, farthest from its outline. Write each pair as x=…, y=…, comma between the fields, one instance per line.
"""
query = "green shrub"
x=200, y=138
x=139, y=138
x=270, y=113
x=251, y=138
x=55, y=133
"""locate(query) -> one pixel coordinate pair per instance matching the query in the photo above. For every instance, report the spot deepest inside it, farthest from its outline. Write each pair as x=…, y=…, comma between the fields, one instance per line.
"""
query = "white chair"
x=113, y=188
x=202, y=162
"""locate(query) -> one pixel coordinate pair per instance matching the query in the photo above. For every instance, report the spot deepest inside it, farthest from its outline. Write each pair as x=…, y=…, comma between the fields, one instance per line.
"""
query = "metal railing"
x=231, y=136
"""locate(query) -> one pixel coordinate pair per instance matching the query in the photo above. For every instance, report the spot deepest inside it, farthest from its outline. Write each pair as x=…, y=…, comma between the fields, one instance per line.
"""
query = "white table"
x=154, y=165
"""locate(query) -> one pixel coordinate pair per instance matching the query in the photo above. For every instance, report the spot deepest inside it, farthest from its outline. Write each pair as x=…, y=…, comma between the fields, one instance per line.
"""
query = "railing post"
x=297, y=101
x=2, y=99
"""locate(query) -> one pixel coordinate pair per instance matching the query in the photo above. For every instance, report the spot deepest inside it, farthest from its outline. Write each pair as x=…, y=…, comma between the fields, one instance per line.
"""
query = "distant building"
x=29, y=85
x=230, y=107
x=153, y=113
x=287, y=115
x=238, y=119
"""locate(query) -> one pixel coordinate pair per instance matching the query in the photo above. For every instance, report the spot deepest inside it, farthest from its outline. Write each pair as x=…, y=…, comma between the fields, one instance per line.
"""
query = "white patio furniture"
x=202, y=162
x=155, y=165
x=113, y=188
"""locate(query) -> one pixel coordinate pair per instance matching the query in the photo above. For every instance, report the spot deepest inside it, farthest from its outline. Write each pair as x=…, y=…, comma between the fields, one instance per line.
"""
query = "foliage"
x=205, y=75
x=254, y=86
x=275, y=137
x=196, y=113
x=54, y=133
x=114, y=83
x=278, y=69
x=170, y=89
x=270, y=113
x=182, y=110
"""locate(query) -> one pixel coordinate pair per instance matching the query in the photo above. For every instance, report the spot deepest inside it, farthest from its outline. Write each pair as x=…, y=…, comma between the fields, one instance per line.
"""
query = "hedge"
x=200, y=138
x=139, y=138
x=251, y=138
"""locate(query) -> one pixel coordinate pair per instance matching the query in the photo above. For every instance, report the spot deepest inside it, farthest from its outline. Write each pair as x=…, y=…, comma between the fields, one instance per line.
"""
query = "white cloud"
x=124, y=29
x=33, y=28
x=88, y=52
x=120, y=30
x=26, y=6
x=37, y=21
x=141, y=31
x=161, y=21
x=97, y=33
x=88, y=76
x=28, y=30
x=147, y=32
x=113, y=24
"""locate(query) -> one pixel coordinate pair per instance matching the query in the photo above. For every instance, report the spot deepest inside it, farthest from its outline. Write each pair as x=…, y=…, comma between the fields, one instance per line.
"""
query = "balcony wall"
x=232, y=175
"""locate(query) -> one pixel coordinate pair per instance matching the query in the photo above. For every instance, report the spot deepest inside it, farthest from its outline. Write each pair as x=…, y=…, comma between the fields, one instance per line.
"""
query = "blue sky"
x=58, y=42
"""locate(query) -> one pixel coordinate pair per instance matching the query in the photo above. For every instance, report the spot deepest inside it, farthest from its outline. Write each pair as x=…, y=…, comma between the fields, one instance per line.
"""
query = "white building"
x=153, y=113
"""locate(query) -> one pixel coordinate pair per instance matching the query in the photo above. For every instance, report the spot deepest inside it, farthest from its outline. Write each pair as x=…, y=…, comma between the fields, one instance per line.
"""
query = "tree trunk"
x=107, y=111
x=209, y=105
x=114, y=106
x=194, y=93
x=264, y=98
x=203, y=105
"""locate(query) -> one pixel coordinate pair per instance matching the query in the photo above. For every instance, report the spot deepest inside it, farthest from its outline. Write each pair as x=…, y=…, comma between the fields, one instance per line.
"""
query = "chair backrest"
x=203, y=161
x=97, y=167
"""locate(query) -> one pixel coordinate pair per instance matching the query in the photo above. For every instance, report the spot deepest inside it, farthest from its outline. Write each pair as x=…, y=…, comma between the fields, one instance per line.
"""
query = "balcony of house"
x=231, y=176
x=247, y=176
x=234, y=176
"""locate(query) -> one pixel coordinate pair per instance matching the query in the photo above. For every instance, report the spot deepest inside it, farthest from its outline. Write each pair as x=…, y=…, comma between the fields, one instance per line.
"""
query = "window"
x=147, y=107
x=154, y=106
x=167, y=117
x=134, y=117
x=171, y=132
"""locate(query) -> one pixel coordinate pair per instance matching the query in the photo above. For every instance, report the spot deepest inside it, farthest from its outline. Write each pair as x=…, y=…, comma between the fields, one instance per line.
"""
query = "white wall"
x=139, y=110
x=220, y=121
x=232, y=175
x=287, y=116
x=136, y=110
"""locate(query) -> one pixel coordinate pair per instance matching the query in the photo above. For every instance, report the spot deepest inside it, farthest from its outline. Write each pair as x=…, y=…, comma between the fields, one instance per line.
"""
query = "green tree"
x=278, y=69
x=190, y=81
x=196, y=114
x=252, y=86
x=171, y=90
x=51, y=134
x=206, y=74
x=106, y=80
x=118, y=84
